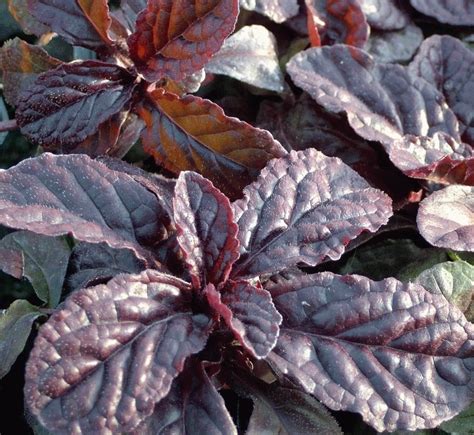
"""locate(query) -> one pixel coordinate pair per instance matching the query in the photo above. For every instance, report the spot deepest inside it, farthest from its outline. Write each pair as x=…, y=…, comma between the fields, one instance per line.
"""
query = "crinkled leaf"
x=44, y=262
x=400, y=356
x=303, y=208
x=446, y=218
x=440, y=159
x=385, y=14
x=97, y=263
x=459, y=13
x=455, y=281
x=176, y=38
x=3, y=117
x=463, y=423
x=193, y=406
x=250, y=55
x=79, y=22
x=396, y=45
x=339, y=21
x=277, y=10
x=15, y=327
x=206, y=230
x=191, y=133
x=382, y=102
x=56, y=195
x=249, y=313
x=111, y=352
x=283, y=411
x=21, y=64
x=19, y=10
x=448, y=64
x=66, y=105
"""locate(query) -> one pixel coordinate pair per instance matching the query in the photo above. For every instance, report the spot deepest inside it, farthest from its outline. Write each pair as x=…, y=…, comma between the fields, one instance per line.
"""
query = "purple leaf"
x=400, y=356
x=249, y=313
x=446, y=218
x=303, y=208
x=250, y=55
x=448, y=64
x=458, y=13
x=102, y=362
x=66, y=105
x=277, y=10
x=56, y=195
x=382, y=102
x=385, y=14
x=440, y=159
x=206, y=229
x=192, y=406
x=80, y=22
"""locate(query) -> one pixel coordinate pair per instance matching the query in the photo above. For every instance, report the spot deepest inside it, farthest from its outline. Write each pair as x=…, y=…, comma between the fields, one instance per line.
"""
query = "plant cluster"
x=312, y=258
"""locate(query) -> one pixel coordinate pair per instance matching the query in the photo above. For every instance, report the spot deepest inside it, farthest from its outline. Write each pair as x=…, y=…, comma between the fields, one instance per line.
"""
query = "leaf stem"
x=9, y=125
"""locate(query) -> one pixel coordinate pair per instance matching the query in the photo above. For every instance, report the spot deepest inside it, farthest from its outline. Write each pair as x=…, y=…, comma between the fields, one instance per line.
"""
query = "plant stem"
x=8, y=125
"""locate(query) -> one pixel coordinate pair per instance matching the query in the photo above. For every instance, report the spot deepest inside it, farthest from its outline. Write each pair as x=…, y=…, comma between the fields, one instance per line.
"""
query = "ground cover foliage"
x=230, y=217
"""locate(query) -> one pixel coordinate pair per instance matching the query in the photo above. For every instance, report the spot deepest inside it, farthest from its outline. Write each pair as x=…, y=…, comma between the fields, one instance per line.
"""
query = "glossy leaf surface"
x=448, y=64
x=277, y=10
x=191, y=133
x=56, y=195
x=400, y=356
x=206, y=229
x=176, y=38
x=111, y=353
x=385, y=14
x=302, y=209
x=66, y=105
x=382, y=102
x=250, y=55
x=446, y=218
x=79, y=22
x=446, y=11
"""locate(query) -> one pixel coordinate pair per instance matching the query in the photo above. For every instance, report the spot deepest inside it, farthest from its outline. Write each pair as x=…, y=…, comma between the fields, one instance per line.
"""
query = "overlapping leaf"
x=385, y=14
x=21, y=64
x=382, y=102
x=125, y=343
x=250, y=55
x=303, y=208
x=192, y=406
x=3, y=117
x=459, y=13
x=68, y=104
x=395, y=353
x=440, y=159
x=55, y=195
x=206, y=229
x=249, y=313
x=190, y=133
x=80, y=22
x=277, y=10
x=446, y=218
x=19, y=10
x=176, y=38
x=448, y=64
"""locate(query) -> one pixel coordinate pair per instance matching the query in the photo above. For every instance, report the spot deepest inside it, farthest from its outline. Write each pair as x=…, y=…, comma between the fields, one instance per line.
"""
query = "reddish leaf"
x=192, y=406
x=55, y=195
x=277, y=10
x=339, y=21
x=398, y=355
x=68, y=104
x=303, y=208
x=382, y=102
x=176, y=38
x=21, y=64
x=79, y=22
x=446, y=218
x=459, y=13
x=448, y=64
x=249, y=313
x=102, y=362
x=206, y=229
x=440, y=159
x=190, y=133
x=19, y=10
x=385, y=14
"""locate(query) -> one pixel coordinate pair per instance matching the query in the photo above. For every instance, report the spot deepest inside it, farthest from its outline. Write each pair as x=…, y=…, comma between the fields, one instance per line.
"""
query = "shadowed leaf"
x=277, y=10
x=458, y=13
x=19, y=10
